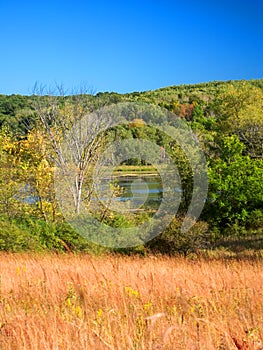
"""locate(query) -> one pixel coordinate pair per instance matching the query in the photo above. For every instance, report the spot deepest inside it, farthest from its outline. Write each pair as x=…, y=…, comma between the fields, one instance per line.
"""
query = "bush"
x=255, y=220
x=27, y=233
x=173, y=241
x=15, y=239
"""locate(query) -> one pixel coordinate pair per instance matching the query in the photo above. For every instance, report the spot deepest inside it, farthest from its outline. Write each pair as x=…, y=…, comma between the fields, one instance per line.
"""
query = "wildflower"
x=132, y=292
x=78, y=311
x=99, y=313
x=147, y=306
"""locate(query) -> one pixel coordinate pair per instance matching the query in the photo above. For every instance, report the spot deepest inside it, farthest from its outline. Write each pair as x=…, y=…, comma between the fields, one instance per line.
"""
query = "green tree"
x=235, y=185
x=240, y=112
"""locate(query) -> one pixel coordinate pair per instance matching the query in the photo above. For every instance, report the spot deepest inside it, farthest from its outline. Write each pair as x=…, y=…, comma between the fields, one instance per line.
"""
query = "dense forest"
x=226, y=117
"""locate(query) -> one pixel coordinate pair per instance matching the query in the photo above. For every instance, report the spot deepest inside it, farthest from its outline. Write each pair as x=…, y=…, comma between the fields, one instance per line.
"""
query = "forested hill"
x=17, y=110
x=226, y=117
x=186, y=91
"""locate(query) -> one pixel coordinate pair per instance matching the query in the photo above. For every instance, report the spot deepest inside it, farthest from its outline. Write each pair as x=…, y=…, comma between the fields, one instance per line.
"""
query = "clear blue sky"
x=129, y=45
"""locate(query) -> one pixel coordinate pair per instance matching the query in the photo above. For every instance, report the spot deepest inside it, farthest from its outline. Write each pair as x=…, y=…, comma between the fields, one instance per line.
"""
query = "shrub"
x=255, y=220
x=174, y=241
x=27, y=233
x=15, y=239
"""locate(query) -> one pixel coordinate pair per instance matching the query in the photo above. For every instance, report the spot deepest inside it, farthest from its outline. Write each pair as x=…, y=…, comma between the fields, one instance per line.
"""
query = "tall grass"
x=112, y=302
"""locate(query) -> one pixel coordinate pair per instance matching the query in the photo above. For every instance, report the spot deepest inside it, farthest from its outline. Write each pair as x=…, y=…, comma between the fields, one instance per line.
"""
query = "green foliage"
x=255, y=220
x=225, y=116
x=235, y=186
x=30, y=233
x=173, y=241
x=15, y=238
x=17, y=114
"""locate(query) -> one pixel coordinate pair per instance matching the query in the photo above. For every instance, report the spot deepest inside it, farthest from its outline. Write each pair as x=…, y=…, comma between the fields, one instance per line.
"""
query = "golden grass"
x=81, y=302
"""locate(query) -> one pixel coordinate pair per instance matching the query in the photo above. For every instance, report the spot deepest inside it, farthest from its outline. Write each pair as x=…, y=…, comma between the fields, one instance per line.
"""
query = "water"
x=142, y=191
x=141, y=187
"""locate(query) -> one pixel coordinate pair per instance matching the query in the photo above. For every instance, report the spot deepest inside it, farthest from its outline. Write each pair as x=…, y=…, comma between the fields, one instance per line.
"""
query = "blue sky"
x=126, y=46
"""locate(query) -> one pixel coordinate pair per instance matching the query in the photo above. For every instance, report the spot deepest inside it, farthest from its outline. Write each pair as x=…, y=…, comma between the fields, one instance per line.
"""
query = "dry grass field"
x=112, y=302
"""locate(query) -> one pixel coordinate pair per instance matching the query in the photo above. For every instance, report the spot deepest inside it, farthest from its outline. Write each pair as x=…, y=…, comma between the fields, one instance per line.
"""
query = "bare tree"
x=74, y=127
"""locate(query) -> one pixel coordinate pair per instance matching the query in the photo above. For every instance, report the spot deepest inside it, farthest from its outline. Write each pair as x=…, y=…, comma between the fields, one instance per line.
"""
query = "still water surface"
x=146, y=190
x=149, y=186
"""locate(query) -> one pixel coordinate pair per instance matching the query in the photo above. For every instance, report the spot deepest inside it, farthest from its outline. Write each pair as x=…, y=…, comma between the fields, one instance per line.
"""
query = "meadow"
x=60, y=302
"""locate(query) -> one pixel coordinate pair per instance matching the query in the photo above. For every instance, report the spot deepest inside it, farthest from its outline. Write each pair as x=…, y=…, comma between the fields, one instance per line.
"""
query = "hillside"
x=16, y=109
x=225, y=117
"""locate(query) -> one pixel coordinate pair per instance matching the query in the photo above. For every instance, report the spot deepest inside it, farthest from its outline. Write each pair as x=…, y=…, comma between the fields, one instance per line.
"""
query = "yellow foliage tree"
x=242, y=106
x=37, y=172
x=10, y=186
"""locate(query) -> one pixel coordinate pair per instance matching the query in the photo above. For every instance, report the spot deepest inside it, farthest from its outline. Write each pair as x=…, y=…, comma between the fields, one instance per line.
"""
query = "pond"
x=140, y=187
x=144, y=191
x=140, y=191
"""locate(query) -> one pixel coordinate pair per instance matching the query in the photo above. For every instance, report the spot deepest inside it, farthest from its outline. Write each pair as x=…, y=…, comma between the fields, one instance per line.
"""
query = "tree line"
x=226, y=117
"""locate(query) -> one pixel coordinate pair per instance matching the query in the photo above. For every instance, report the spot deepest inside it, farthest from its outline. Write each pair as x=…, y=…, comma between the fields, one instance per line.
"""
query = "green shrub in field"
x=15, y=238
x=27, y=233
x=172, y=241
x=255, y=220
